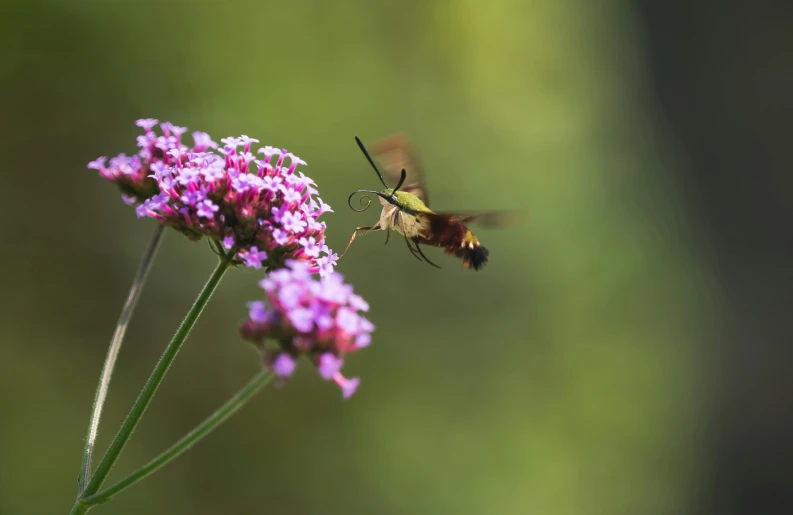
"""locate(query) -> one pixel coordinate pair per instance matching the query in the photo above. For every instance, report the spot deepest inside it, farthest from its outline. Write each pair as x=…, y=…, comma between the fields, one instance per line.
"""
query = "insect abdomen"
x=458, y=240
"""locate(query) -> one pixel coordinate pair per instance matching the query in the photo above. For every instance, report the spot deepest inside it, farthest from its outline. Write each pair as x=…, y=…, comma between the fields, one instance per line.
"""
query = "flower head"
x=319, y=319
x=258, y=207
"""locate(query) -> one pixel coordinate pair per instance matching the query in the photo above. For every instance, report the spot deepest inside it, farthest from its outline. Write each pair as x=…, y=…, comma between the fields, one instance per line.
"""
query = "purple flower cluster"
x=259, y=207
x=315, y=318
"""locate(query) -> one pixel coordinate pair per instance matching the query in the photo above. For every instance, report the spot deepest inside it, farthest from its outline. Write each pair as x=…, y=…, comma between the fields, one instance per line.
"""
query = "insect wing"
x=489, y=219
x=397, y=154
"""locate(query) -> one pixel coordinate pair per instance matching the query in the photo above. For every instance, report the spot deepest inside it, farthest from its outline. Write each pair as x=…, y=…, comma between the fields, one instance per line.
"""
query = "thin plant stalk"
x=223, y=413
x=150, y=388
x=113, y=350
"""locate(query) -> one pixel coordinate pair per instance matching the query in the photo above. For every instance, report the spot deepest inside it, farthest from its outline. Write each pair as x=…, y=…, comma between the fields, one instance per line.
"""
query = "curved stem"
x=156, y=377
x=231, y=406
x=112, y=353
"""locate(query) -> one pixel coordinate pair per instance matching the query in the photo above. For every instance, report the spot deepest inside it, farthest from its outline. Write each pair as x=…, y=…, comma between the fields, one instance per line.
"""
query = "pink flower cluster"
x=318, y=319
x=259, y=207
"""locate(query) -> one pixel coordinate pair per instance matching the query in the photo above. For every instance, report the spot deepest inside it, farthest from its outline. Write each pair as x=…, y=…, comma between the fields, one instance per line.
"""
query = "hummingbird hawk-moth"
x=406, y=208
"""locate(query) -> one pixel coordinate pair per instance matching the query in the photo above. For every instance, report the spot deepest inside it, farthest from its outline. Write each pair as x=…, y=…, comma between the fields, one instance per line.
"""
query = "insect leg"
x=388, y=229
x=422, y=254
x=412, y=251
x=375, y=227
x=402, y=223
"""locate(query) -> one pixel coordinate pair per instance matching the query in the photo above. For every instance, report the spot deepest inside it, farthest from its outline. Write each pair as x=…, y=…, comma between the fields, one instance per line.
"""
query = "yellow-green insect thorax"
x=408, y=202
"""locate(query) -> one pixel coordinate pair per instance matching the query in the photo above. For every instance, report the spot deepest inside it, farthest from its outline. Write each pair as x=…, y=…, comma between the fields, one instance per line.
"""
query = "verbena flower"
x=259, y=206
x=304, y=316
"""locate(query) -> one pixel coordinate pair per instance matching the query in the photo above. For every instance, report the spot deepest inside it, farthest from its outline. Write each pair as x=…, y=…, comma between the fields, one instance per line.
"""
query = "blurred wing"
x=490, y=219
x=396, y=153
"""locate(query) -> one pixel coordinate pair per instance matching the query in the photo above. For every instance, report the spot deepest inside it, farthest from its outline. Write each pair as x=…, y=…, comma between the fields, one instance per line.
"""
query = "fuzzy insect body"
x=407, y=211
x=414, y=220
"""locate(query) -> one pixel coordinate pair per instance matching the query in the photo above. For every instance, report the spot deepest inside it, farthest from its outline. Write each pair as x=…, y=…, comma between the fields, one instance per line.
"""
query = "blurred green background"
x=567, y=377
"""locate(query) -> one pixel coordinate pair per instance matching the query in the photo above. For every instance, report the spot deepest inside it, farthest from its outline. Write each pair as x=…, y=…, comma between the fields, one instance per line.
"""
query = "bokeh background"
x=626, y=351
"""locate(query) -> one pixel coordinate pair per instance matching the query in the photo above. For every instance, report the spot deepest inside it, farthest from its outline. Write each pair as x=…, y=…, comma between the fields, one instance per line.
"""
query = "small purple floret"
x=293, y=222
x=284, y=365
x=302, y=319
x=329, y=365
x=310, y=246
x=348, y=386
x=254, y=257
x=257, y=312
x=146, y=123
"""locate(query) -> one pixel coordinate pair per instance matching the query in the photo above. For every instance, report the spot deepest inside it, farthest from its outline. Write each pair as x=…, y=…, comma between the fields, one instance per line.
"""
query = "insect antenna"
x=401, y=181
x=369, y=158
x=366, y=200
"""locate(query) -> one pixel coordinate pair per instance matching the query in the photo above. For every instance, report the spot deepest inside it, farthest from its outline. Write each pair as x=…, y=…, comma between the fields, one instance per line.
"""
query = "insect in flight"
x=406, y=209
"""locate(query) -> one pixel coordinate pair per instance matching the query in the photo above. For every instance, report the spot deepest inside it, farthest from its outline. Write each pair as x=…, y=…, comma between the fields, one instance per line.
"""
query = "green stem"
x=112, y=353
x=149, y=389
x=231, y=406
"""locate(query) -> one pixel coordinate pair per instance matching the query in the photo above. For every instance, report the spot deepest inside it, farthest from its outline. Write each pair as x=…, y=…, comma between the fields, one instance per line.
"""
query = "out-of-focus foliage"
x=559, y=380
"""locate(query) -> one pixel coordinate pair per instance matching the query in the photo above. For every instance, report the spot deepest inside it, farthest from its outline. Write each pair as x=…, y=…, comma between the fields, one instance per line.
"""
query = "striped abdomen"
x=456, y=239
